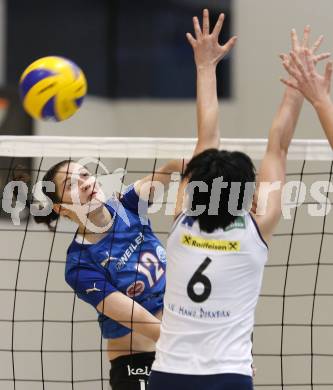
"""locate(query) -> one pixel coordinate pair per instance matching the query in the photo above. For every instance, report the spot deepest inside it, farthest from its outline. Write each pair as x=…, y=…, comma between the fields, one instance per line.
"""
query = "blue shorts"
x=165, y=381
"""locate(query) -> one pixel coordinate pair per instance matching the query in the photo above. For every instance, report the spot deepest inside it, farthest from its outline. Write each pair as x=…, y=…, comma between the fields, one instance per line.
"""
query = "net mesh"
x=51, y=340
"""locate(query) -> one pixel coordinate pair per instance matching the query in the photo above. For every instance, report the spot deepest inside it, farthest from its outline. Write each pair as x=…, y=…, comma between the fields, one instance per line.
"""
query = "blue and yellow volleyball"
x=52, y=88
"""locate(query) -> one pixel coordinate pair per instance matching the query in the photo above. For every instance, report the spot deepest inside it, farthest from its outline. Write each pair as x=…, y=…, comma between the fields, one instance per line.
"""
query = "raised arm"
x=314, y=86
x=207, y=54
x=324, y=108
x=145, y=186
x=273, y=167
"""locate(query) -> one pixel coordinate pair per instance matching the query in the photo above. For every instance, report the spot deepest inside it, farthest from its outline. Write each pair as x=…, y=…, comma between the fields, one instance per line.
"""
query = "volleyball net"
x=51, y=340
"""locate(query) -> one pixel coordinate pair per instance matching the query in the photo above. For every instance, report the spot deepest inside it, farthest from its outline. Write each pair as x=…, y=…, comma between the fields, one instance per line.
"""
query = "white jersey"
x=213, y=281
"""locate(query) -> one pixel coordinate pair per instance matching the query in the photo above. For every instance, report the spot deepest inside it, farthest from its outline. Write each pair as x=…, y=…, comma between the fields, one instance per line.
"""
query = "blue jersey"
x=129, y=259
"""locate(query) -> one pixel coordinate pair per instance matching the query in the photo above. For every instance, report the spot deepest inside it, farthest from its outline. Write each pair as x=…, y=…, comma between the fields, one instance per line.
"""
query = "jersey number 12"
x=149, y=262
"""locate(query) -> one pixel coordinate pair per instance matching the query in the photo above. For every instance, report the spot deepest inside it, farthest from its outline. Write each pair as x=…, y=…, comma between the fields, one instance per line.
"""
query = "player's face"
x=76, y=185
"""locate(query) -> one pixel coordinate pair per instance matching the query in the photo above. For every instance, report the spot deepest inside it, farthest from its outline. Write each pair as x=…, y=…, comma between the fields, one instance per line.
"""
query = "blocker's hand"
x=300, y=48
x=301, y=67
x=206, y=47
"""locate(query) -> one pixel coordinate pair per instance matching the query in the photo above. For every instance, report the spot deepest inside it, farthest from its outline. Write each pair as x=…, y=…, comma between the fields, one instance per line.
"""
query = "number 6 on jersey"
x=199, y=278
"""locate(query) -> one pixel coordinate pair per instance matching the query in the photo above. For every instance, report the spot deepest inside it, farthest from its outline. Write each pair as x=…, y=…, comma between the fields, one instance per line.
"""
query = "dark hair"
x=21, y=173
x=52, y=195
x=212, y=164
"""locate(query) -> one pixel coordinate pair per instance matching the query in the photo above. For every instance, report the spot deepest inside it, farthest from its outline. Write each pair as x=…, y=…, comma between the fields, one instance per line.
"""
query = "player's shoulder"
x=127, y=204
x=130, y=196
x=77, y=251
x=257, y=231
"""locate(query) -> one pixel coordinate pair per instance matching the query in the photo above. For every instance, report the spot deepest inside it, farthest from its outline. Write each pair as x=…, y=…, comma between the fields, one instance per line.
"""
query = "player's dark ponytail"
x=52, y=195
x=212, y=164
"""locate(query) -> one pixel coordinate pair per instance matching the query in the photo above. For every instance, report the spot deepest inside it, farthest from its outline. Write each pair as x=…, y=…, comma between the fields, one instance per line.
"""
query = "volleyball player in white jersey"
x=216, y=259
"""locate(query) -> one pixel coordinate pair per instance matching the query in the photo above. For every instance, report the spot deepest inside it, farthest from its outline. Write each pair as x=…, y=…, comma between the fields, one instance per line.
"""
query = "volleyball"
x=52, y=88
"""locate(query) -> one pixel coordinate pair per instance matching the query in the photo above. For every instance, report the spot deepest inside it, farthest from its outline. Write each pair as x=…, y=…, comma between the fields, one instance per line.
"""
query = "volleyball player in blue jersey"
x=120, y=272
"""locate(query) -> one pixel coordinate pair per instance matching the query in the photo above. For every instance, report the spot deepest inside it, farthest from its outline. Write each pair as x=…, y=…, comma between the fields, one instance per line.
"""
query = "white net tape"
x=46, y=146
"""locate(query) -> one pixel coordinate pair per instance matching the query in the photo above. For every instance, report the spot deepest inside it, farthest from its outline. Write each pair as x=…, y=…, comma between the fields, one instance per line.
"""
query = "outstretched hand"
x=206, y=47
x=299, y=48
x=301, y=66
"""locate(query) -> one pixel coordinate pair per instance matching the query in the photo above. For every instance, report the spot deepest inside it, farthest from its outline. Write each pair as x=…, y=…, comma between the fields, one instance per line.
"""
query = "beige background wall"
x=263, y=27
